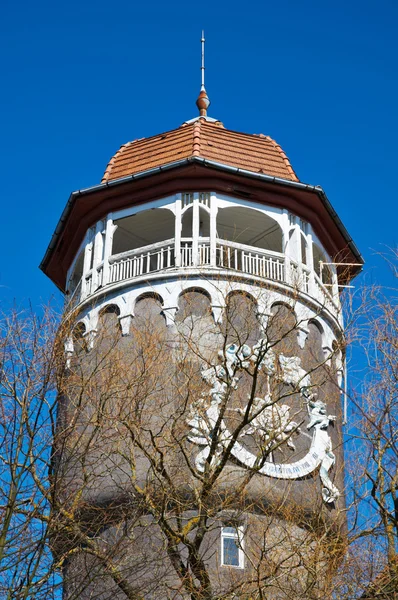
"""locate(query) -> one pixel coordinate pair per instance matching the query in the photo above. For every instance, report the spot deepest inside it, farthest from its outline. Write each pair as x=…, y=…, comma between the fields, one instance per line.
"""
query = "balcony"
x=210, y=232
x=231, y=257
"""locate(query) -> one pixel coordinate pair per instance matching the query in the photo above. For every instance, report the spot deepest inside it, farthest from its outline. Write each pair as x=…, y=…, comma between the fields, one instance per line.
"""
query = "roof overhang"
x=85, y=207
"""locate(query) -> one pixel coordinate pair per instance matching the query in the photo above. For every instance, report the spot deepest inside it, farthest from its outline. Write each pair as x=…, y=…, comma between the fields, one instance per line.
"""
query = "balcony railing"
x=142, y=261
x=228, y=255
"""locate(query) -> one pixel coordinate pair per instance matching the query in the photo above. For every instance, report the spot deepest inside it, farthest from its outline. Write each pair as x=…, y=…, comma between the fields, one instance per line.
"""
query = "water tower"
x=199, y=445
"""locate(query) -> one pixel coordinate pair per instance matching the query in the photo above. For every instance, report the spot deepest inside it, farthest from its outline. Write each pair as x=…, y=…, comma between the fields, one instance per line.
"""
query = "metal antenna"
x=203, y=61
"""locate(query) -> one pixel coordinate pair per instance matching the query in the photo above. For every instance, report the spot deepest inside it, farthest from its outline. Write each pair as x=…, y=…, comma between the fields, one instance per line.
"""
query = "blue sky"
x=81, y=78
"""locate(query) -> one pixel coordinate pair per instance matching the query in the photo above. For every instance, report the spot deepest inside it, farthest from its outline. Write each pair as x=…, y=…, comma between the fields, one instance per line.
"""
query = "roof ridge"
x=196, y=139
x=234, y=132
x=284, y=157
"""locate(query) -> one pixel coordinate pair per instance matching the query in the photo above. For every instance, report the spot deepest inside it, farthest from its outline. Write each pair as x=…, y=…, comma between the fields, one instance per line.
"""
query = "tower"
x=199, y=444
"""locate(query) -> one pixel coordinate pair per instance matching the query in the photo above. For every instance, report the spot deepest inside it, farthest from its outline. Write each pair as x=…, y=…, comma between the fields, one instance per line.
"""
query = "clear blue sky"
x=81, y=78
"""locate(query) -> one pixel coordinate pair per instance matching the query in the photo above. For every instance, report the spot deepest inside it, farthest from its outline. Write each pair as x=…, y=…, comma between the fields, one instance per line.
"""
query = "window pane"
x=231, y=552
x=230, y=530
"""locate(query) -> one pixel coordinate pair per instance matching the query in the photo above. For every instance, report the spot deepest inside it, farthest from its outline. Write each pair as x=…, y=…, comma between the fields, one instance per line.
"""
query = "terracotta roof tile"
x=256, y=153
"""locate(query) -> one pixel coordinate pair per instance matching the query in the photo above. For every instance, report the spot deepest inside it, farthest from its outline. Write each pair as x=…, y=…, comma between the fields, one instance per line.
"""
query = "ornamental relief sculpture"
x=262, y=432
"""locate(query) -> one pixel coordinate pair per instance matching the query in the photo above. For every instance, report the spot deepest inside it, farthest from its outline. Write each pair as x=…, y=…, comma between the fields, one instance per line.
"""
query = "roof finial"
x=203, y=101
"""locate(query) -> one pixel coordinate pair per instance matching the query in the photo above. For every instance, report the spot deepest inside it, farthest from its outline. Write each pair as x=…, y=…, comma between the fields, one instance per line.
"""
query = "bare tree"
x=375, y=416
x=28, y=364
x=164, y=441
x=162, y=450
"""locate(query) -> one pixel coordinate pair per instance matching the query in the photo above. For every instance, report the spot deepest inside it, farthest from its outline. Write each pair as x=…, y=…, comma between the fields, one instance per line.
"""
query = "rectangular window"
x=232, y=547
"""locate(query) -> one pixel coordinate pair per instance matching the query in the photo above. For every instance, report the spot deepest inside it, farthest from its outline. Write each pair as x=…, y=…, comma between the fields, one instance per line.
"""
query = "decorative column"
x=86, y=284
x=110, y=229
x=213, y=229
x=177, y=231
x=195, y=230
x=335, y=283
x=310, y=264
x=98, y=248
x=285, y=244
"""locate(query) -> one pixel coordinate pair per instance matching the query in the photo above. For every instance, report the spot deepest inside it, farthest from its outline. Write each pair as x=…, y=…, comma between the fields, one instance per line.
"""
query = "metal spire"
x=203, y=61
x=203, y=101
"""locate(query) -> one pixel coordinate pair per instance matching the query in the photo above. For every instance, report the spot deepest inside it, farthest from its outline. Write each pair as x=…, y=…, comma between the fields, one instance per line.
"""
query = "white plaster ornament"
x=269, y=420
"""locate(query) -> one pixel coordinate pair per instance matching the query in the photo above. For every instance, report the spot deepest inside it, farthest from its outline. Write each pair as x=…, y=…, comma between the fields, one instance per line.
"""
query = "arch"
x=153, y=295
x=148, y=315
x=78, y=337
x=282, y=326
x=204, y=222
x=143, y=229
x=285, y=304
x=194, y=301
x=318, y=325
x=187, y=223
x=108, y=318
x=316, y=340
x=241, y=293
x=249, y=226
x=78, y=331
x=195, y=289
x=319, y=256
x=109, y=309
x=241, y=324
x=77, y=272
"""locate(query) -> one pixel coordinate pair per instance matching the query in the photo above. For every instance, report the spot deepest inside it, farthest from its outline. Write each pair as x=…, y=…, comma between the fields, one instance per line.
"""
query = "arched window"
x=250, y=227
x=143, y=229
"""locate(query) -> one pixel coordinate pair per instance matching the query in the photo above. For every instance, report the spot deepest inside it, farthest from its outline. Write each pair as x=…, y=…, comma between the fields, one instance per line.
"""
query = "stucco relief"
x=269, y=421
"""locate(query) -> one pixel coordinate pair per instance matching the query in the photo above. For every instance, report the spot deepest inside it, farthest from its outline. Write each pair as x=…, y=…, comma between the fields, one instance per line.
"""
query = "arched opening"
x=240, y=324
x=149, y=325
x=324, y=272
x=315, y=346
x=204, y=223
x=186, y=223
x=282, y=328
x=79, y=341
x=193, y=302
x=250, y=227
x=77, y=273
x=109, y=319
x=304, y=253
x=143, y=229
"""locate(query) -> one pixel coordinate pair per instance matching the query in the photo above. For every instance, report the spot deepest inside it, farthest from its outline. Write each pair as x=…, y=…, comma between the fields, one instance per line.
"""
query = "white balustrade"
x=142, y=261
x=263, y=263
x=229, y=255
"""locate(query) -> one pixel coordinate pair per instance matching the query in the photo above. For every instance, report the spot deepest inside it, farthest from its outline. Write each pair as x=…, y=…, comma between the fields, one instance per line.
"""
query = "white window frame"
x=238, y=536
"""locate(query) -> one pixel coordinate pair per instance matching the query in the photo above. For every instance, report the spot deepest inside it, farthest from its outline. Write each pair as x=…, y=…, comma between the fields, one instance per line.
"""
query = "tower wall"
x=128, y=401
x=198, y=451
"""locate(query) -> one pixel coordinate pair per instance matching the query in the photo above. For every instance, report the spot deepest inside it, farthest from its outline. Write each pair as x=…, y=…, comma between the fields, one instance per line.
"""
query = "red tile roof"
x=207, y=139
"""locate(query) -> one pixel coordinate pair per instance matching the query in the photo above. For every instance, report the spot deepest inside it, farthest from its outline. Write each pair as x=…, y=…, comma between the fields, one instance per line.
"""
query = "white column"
x=177, y=231
x=195, y=230
x=310, y=264
x=335, y=283
x=98, y=247
x=110, y=229
x=213, y=229
x=87, y=264
x=285, y=244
